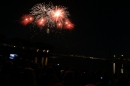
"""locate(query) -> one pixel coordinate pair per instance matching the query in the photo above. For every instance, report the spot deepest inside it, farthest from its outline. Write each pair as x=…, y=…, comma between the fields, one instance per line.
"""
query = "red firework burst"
x=27, y=19
x=58, y=14
x=59, y=25
x=41, y=22
x=68, y=24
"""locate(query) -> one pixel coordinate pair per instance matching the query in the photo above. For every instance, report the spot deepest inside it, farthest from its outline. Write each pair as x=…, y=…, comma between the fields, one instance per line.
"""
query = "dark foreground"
x=61, y=72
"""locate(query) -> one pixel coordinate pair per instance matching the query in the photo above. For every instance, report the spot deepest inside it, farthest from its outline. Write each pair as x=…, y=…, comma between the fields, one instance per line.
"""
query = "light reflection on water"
x=114, y=68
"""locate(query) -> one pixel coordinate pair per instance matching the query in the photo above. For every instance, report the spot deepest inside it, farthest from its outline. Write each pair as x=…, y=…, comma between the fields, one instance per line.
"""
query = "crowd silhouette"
x=33, y=74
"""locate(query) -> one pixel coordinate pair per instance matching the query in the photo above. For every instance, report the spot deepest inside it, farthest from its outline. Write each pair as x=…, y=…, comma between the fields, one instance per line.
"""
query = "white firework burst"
x=42, y=10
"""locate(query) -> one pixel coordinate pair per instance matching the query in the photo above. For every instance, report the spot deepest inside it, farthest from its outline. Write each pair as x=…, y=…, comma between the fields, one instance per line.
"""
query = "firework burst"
x=59, y=14
x=40, y=11
x=68, y=24
x=26, y=19
x=48, y=16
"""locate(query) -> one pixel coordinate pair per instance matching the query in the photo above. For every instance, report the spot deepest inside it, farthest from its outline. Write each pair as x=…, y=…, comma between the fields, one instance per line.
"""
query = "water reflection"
x=114, y=68
x=122, y=71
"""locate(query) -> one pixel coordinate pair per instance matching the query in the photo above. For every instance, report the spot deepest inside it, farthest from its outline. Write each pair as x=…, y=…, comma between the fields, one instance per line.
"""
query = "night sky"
x=101, y=28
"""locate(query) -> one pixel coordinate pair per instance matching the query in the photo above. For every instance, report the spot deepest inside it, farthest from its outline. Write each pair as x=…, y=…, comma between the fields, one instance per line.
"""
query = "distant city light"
x=44, y=50
x=91, y=57
x=37, y=50
x=114, y=55
x=47, y=51
x=122, y=55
